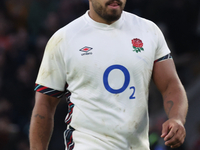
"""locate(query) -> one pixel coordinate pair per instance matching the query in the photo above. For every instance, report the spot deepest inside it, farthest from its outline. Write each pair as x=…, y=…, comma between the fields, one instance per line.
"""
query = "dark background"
x=26, y=26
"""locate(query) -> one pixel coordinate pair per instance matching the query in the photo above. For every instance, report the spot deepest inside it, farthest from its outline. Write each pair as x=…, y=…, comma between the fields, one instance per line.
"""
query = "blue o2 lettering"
x=132, y=96
x=105, y=79
x=126, y=82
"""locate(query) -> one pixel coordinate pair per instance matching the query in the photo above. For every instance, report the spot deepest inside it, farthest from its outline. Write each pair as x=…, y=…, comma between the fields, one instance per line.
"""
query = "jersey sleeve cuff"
x=168, y=56
x=48, y=91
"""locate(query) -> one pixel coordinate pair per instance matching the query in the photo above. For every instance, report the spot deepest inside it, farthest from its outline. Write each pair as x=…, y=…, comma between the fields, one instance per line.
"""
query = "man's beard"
x=111, y=16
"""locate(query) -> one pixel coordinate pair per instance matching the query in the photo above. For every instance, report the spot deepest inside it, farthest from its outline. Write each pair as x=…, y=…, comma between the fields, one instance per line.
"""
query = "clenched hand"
x=173, y=132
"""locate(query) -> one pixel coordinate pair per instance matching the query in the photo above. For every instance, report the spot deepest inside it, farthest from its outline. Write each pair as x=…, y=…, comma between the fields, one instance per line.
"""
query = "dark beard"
x=103, y=14
x=111, y=18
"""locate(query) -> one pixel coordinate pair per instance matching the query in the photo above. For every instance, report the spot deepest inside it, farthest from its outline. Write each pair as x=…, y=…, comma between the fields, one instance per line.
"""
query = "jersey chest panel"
x=87, y=59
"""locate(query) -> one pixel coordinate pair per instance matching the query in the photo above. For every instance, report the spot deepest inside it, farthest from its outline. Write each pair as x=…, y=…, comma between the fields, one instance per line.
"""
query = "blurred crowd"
x=26, y=26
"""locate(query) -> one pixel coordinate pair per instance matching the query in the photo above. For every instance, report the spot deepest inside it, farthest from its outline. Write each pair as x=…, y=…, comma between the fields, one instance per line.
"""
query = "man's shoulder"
x=71, y=28
x=138, y=20
x=76, y=24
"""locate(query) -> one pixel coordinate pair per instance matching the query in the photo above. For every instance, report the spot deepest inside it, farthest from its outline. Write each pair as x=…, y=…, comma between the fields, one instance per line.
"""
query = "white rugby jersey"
x=107, y=69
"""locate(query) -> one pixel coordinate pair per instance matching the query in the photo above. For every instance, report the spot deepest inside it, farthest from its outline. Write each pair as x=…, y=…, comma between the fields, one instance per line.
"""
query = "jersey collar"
x=116, y=25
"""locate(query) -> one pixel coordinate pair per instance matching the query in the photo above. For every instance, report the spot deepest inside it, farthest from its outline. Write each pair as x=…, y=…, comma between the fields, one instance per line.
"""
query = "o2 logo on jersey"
x=126, y=82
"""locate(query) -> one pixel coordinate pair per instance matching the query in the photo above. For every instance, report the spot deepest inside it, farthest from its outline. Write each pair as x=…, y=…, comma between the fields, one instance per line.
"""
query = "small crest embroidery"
x=137, y=45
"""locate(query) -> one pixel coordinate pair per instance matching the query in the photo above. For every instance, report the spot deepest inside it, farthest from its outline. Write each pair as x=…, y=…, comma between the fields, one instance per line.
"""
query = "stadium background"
x=26, y=26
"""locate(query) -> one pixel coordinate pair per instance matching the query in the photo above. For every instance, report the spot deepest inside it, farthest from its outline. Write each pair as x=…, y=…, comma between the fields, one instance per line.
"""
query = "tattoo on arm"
x=37, y=115
x=170, y=104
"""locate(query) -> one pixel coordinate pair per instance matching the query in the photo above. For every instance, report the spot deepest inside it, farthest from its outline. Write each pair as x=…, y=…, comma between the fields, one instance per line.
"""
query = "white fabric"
x=104, y=120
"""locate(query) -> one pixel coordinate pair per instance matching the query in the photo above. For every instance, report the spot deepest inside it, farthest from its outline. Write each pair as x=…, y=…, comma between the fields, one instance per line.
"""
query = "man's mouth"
x=114, y=3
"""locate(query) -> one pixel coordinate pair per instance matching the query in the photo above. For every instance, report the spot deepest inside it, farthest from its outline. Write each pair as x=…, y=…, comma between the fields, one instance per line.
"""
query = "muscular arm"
x=175, y=102
x=42, y=121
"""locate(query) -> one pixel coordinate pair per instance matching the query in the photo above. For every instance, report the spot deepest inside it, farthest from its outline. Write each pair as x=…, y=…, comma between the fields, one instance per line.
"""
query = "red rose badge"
x=137, y=45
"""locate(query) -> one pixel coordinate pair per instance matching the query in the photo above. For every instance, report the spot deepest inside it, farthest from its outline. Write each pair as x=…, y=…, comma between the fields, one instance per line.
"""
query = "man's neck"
x=94, y=16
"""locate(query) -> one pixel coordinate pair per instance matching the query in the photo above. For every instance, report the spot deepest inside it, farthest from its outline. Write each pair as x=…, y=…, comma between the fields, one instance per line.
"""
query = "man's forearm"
x=175, y=102
x=41, y=128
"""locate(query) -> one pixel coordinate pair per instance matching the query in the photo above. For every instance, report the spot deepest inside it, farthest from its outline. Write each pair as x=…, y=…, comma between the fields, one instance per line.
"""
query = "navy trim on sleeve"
x=51, y=92
x=168, y=56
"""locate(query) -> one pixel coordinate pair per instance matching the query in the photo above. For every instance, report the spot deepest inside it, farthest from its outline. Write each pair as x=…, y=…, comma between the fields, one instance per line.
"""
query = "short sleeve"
x=162, y=47
x=52, y=70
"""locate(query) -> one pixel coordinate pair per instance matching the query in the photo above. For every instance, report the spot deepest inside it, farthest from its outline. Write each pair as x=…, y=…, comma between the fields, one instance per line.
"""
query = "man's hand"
x=173, y=132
